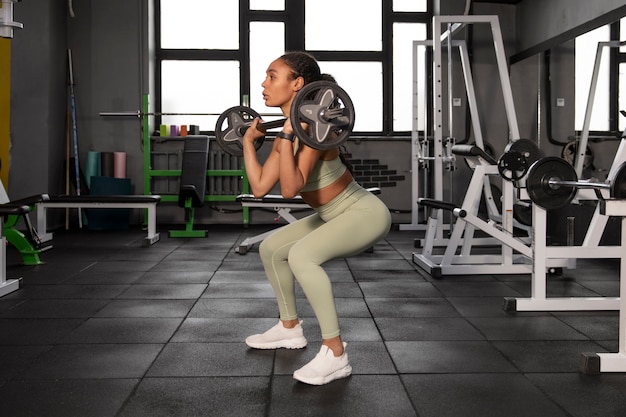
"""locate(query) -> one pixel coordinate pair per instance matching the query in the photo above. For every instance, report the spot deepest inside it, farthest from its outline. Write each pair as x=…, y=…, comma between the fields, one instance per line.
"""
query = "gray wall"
x=111, y=42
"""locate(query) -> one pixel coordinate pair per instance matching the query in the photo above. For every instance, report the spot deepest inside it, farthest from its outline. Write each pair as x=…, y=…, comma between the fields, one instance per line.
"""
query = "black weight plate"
x=230, y=126
x=527, y=148
x=539, y=189
x=618, y=183
x=327, y=110
x=512, y=165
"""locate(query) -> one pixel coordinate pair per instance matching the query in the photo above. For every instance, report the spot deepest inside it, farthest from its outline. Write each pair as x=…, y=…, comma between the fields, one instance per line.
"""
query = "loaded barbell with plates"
x=323, y=106
x=552, y=183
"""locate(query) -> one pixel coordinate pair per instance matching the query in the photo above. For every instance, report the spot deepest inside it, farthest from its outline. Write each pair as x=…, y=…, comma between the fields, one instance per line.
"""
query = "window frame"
x=293, y=18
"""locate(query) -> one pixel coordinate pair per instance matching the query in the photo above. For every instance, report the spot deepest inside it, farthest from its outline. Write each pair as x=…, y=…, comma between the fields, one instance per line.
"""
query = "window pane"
x=409, y=5
x=363, y=82
x=267, y=4
x=403, y=36
x=342, y=32
x=586, y=46
x=207, y=24
x=267, y=42
x=198, y=87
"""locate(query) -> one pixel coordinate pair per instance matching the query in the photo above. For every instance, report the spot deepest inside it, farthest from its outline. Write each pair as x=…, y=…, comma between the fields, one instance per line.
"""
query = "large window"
x=610, y=94
x=213, y=55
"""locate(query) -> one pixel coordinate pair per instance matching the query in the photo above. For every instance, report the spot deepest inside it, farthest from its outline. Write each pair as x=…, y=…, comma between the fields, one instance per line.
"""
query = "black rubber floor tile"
x=601, y=327
x=447, y=357
x=60, y=308
x=168, y=277
x=583, y=395
x=357, y=395
x=164, y=291
x=376, y=263
x=427, y=328
x=402, y=307
x=211, y=359
x=239, y=290
x=385, y=275
x=604, y=288
x=65, y=398
x=478, y=395
x=70, y=291
x=399, y=289
x=208, y=396
x=14, y=359
x=187, y=266
x=546, y=356
x=104, y=278
x=525, y=328
x=475, y=289
x=86, y=361
x=234, y=308
x=124, y=330
x=146, y=308
x=220, y=330
x=35, y=331
x=241, y=263
x=230, y=277
x=184, y=255
x=122, y=266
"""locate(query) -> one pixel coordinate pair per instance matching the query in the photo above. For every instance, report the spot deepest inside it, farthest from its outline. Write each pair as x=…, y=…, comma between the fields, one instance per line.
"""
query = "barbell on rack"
x=323, y=106
x=552, y=183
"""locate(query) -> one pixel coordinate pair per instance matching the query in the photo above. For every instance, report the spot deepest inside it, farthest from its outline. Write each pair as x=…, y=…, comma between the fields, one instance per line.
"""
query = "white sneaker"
x=324, y=368
x=278, y=337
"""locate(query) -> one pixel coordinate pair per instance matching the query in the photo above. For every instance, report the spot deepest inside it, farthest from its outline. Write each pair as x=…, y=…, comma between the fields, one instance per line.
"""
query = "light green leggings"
x=352, y=222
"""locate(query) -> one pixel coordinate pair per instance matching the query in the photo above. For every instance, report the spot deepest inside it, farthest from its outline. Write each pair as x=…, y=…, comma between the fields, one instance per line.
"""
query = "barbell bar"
x=323, y=106
x=552, y=183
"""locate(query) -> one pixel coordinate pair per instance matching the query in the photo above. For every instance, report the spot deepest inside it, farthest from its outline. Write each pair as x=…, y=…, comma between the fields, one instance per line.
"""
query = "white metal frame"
x=7, y=286
x=42, y=210
x=614, y=362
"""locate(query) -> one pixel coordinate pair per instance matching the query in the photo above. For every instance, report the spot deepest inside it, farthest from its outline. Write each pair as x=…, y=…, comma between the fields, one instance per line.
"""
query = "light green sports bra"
x=324, y=173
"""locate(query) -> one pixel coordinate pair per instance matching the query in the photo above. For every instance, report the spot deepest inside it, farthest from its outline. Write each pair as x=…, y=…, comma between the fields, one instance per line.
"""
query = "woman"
x=347, y=220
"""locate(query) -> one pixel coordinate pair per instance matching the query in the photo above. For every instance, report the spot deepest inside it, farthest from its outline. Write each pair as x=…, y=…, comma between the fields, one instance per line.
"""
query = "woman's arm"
x=295, y=169
x=262, y=178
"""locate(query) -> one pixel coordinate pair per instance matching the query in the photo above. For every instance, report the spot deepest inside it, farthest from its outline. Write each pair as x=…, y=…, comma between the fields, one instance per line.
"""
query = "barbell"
x=323, y=106
x=552, y=183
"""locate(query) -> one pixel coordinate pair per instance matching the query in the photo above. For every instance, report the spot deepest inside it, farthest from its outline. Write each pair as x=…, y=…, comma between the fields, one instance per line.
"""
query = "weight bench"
x=148, y=202
x=282, y=206
x=192, y=183
x=9, y=209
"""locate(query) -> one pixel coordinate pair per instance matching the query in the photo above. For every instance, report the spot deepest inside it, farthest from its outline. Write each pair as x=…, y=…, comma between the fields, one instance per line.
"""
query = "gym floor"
x=108, y=328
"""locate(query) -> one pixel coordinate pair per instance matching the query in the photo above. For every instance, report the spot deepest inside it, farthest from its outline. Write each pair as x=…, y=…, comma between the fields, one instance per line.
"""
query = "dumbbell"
x=324, y=106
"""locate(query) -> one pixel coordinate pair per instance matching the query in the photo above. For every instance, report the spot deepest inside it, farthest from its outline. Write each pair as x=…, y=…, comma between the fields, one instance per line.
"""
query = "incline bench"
x=148, y=202
x=282, y=206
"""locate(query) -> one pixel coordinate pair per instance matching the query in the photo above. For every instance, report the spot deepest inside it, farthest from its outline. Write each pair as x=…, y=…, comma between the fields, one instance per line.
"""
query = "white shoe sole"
x=280, y=344
x=322, y=380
